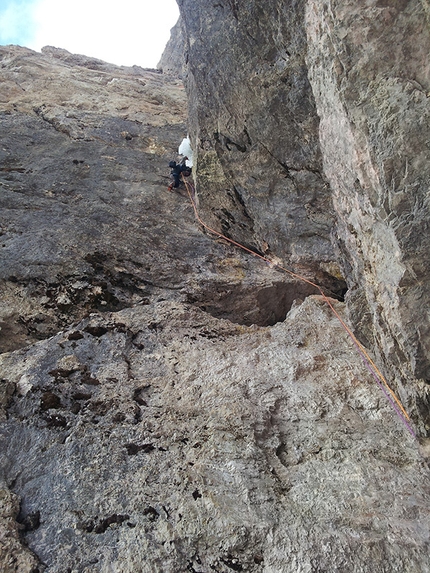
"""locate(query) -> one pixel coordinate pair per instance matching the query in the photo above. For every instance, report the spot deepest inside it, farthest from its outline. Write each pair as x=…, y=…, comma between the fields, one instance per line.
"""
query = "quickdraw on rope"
x=371, y=366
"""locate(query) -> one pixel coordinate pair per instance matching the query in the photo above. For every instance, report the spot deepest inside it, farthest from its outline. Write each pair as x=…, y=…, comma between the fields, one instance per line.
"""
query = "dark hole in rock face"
x=50, y=400
x=13, y=334
x=263, y=306
x=29, y=522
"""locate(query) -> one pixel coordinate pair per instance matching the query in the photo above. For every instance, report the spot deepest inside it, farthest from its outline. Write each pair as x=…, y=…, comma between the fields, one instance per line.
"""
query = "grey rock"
x=255, y=126
x=186, y=442
x=86, y=222
x=14, y=556
x=173, y=58
x=310, y=122
x=371, y=85
x=168, y=402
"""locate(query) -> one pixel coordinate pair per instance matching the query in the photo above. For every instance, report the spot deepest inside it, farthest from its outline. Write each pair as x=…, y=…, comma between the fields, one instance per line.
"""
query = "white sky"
x=130, y=32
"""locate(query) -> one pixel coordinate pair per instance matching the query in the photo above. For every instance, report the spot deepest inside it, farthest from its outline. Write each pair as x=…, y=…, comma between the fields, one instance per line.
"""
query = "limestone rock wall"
x=311, y=122
x=168, y=403
x=86, y=223
x=161, y=439
x=173, y=58
x=370, y=73
x=255, y=126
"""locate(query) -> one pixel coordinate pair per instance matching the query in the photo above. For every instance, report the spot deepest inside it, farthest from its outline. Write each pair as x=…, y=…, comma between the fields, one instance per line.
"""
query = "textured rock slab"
x=86, y=220
x=86, y=223
x=83, y=156
x=159, y=437
x=62, y=87
x=162, y=439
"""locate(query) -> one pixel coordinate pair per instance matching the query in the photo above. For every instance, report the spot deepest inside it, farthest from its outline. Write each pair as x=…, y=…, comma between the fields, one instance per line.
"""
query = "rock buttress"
x=370, y=76
x=255, y=127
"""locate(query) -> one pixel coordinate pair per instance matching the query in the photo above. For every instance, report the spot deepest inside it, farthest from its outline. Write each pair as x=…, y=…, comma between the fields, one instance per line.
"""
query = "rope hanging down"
x=371, y=366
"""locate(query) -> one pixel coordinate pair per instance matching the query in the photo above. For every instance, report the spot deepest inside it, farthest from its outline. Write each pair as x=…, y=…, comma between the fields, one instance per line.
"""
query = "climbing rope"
x=371, y=366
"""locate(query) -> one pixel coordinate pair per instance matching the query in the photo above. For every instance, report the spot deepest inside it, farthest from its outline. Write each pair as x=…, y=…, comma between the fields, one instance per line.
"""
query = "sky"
x=125, y=32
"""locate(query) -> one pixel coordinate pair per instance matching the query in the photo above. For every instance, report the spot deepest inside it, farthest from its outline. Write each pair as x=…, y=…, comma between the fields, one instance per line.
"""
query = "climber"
x=178, y=169
x=186, y=168
x=185, y=150
x=175, y=173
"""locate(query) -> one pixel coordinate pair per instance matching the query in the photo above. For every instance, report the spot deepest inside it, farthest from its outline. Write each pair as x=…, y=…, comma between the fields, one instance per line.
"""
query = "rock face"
x=255, y=126
x=310, y=122
x=370, y=74
x=161, y=439
x=172, y=60
x=169, y=403
x=14, y=557
x=73, y=129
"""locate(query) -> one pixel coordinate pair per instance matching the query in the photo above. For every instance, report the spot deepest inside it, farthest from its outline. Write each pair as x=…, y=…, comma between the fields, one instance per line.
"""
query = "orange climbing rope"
x=373, y=369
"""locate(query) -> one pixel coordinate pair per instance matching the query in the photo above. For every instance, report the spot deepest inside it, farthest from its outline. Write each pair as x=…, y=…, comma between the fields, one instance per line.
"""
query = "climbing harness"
x=371, y=366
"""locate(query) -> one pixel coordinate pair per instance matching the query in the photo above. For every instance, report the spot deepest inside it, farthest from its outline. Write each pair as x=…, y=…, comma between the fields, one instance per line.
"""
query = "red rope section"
x=373, y=369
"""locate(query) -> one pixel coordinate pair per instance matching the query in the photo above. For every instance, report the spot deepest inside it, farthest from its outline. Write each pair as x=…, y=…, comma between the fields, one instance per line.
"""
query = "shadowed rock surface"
x=167, y=402
x=370, y=74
